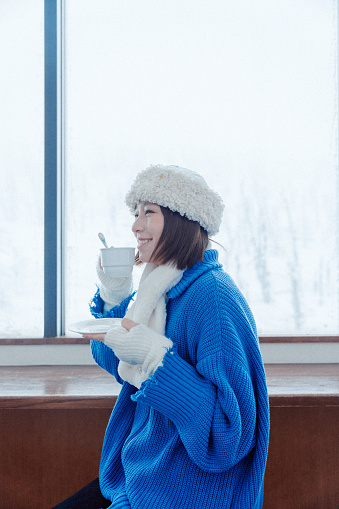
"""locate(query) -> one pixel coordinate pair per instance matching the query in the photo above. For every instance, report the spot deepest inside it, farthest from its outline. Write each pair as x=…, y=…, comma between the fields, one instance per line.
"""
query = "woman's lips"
x=141, y=242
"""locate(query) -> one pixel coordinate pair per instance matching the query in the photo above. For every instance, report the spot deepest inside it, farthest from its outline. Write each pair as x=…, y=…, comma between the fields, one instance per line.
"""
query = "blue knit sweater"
x=196, y=433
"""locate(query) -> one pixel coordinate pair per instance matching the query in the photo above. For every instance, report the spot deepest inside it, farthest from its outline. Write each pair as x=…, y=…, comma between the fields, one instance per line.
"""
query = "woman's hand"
x=128, y=324
x=96, y=336
x=138, y=344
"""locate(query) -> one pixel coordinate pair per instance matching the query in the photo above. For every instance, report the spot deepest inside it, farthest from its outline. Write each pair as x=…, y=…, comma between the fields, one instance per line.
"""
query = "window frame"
x=54, y=304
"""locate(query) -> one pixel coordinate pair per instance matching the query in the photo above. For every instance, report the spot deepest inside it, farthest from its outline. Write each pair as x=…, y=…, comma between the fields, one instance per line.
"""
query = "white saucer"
x=95, y=325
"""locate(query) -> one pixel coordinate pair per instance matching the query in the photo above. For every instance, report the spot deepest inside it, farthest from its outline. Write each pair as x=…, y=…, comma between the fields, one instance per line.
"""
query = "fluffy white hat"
x=180, y=190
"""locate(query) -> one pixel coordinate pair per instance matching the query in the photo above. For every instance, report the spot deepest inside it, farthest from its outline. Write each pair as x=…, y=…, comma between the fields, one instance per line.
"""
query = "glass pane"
x=242, y=92
x=22, y=166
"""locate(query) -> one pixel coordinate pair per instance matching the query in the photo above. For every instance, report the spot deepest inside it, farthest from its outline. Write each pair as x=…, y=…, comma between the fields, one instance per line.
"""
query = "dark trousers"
x=89, y=497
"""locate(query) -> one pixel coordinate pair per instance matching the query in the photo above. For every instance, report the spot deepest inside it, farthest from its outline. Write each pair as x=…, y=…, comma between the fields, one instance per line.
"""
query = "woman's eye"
x=149, y=211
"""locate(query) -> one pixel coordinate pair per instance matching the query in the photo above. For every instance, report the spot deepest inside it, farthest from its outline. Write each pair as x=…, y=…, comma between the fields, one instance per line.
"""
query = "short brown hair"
x=182, y=241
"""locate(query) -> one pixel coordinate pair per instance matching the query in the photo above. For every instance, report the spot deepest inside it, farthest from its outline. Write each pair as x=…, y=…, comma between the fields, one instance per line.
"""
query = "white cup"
x=118, y=261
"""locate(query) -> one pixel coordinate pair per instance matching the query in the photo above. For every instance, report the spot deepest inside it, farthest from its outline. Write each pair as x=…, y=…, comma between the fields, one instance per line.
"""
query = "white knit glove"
x=141, y=345
x=113, y=290
x=134, y=375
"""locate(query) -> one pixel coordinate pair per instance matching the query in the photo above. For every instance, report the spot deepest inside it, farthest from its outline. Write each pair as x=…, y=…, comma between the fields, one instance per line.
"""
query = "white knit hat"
x=180, y=190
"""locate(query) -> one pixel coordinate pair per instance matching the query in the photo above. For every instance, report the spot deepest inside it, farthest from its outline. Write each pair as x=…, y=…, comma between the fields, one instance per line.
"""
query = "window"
x=22, y=168
x=243, y=92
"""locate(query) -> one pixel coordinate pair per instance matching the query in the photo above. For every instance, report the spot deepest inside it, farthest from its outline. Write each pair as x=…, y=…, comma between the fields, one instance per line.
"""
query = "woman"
x=190, y=427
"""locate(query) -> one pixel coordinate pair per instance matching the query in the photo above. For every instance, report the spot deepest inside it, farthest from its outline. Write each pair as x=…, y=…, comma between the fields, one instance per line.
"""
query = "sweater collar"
x=209, y=262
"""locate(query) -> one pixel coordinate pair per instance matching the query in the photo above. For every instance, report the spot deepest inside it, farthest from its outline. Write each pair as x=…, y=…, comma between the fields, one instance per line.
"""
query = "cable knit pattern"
x=195, y=435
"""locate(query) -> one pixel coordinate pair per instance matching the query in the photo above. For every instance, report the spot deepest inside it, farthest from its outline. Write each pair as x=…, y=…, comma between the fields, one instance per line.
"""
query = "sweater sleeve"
x=97, y=305
x=211, y=394
x=212, y=406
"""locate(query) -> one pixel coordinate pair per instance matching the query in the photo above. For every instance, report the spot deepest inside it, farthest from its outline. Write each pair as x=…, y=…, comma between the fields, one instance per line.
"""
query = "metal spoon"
x=102, y=238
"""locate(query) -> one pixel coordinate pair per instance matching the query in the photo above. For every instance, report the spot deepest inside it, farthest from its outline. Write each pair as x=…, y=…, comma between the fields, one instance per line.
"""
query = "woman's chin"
x=145, y=254
x=144, y=257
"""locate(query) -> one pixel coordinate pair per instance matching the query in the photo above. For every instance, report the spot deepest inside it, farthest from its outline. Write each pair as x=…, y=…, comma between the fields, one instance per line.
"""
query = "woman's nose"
x=137, y=225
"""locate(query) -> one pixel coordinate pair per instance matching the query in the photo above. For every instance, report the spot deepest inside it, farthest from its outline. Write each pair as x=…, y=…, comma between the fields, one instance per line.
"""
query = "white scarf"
x=149, y=309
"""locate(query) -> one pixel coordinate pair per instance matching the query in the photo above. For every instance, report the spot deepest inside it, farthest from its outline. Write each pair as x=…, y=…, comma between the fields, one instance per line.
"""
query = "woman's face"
x=147, y=228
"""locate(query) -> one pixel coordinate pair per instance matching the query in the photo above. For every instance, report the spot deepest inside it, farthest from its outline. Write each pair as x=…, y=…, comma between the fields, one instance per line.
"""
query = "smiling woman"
x=189, y=336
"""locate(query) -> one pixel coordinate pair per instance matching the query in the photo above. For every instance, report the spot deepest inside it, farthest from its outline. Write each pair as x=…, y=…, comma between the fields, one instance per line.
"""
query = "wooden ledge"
x=57, y=387
x=303, y=384
x=48, y=387
x=66, y=340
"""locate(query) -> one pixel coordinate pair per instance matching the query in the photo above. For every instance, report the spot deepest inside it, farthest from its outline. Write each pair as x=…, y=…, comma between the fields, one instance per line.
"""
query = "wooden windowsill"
x=65, y=340
x=62, y=340
x=62, y=387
